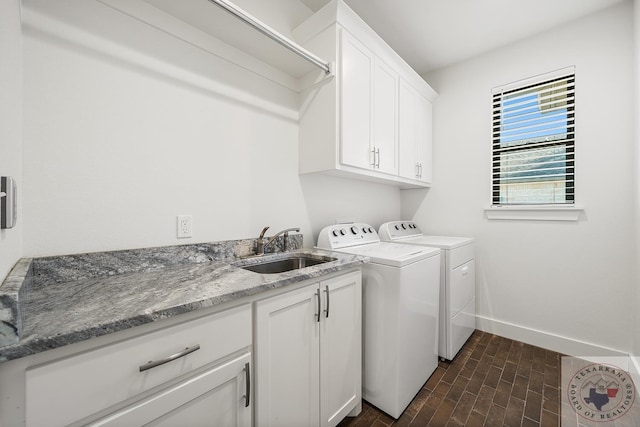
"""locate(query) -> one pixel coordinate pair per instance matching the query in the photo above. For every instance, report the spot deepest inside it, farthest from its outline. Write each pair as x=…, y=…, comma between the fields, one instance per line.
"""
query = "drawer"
x=66, y=390
x=461, y=255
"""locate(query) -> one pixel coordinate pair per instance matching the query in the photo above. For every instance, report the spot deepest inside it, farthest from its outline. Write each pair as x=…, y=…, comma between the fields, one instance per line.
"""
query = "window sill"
x=534, y=213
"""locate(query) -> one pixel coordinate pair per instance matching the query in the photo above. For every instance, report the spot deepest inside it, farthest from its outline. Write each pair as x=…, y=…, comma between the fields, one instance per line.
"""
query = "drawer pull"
x=327, y=292
x=153, y=364
x=247, y=384
x=319, y=305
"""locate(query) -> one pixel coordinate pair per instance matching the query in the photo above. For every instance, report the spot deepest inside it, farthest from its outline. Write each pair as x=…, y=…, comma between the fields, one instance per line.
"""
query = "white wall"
x=117, y=144
x=550, y=283
x=11, y=123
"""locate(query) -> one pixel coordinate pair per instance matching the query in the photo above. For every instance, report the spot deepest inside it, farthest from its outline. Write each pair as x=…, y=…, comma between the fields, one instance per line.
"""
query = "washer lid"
x=392, y=254
x=442, y=242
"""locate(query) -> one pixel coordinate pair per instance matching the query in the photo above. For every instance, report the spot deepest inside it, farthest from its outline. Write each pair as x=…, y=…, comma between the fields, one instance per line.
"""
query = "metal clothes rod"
x=272, y=34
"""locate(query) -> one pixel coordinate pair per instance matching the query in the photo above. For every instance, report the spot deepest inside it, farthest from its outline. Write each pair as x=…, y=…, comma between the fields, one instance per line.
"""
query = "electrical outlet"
x=184, y=226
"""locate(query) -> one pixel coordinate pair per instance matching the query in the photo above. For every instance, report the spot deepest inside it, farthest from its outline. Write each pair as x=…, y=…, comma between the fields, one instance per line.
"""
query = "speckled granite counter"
x=68, y=299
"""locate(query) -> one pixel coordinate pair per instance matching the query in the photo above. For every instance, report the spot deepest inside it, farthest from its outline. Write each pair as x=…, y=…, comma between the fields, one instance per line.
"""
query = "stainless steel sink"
x=272, y=266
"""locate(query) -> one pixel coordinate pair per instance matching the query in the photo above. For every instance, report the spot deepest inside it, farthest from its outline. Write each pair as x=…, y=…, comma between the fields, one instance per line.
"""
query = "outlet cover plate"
x=184, y=226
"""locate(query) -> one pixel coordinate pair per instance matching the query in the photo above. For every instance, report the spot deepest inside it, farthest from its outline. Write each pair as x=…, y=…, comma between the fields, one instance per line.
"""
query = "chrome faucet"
x=262, y=246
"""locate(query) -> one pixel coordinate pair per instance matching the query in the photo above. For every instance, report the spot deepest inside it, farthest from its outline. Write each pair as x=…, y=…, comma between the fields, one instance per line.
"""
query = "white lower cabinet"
x=291, y=359
x=201, y=378
x=216, y=397
x=308, y=354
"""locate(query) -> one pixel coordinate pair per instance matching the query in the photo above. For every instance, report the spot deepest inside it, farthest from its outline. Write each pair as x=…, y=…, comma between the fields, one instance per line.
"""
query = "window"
x=533, y=160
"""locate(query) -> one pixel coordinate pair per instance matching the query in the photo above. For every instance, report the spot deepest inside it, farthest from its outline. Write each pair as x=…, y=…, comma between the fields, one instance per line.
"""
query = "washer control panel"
x=399, y=230
x=344, y=235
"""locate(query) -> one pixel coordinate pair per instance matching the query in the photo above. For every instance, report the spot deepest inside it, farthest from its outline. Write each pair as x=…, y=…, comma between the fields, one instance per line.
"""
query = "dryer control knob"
x=404, y=226
x=342, y=231
x=354, y=229
x=370, y=230
x=397, y=228
x=335, y=233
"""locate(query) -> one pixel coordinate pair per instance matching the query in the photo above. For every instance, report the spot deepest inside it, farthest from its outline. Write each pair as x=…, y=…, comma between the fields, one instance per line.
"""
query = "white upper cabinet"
x=356, y=73
x=368, y=98
x=424, y=142
x=415, y=137
x=385, y=122
x=408, y=128
x=370, y=120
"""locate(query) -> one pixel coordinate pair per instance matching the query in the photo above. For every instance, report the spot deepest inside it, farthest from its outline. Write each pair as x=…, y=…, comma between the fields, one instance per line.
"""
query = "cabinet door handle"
x=248, y=384
x=417, y=170
x=319, y=305
x=378, y=161
x=153, y=364
x=373, y=151
x=420, y=170
x=326, y=290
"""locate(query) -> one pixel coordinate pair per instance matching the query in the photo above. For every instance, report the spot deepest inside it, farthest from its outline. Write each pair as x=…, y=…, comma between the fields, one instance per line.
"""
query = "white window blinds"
x=533, y=141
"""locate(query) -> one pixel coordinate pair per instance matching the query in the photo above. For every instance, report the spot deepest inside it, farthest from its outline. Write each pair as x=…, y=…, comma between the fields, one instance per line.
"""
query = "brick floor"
x=493, y=381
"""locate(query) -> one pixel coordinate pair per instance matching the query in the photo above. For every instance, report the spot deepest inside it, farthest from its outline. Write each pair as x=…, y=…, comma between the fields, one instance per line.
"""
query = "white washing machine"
x=457, y=281
x=401, y=286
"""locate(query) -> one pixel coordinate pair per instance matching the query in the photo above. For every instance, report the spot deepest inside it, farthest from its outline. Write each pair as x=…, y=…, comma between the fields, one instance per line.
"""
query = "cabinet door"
x=407, y=131
x=287, y=359
x=216, y=397
x=341, y=347
x=385, y=107
x=424, y=147
x=355, y=102
x=414, y=134
x=66, y=390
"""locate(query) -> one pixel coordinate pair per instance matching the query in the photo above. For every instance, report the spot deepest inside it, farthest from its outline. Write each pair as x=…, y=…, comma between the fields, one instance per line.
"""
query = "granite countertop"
x=65, y=300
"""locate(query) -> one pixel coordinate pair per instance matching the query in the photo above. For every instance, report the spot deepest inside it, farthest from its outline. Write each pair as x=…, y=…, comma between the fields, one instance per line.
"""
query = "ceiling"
x=431, y=34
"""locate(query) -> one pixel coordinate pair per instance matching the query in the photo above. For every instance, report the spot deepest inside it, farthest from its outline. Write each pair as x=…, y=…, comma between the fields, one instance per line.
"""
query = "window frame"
x=498, y=95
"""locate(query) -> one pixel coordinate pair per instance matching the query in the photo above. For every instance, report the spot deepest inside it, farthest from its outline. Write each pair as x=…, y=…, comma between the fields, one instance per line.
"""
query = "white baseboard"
x=564, y=345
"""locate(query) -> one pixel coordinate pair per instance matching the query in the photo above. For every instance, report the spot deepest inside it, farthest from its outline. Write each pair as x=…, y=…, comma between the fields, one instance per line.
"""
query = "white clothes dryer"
x=400, y=292
x=457, y=281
